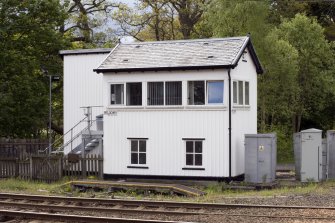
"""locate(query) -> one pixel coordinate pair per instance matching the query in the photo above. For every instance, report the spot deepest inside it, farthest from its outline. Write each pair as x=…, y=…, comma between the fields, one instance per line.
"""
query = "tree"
x=161, y=19
x=323, y=11
x=29, y=38
x=150, y=20
x=315, y=59
x=189, y=14
x=278, y=87
x=86, y=20
x=237, y=18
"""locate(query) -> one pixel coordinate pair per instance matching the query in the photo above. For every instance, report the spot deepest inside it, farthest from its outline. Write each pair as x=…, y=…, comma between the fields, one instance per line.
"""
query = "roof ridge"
x=185, y=40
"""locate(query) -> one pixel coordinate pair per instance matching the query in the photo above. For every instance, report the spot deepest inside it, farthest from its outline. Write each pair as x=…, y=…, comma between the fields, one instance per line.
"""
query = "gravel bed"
x=295, y=200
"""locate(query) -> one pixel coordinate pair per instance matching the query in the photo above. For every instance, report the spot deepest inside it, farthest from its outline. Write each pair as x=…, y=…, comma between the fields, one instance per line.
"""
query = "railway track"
x=54, y=207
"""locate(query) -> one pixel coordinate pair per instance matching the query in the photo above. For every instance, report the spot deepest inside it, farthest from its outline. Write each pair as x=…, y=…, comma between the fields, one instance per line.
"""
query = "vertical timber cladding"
x=331, y=153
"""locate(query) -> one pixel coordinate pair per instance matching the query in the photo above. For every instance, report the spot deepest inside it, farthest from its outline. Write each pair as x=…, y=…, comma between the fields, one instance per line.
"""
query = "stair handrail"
x=60, y=139
x=74, y=137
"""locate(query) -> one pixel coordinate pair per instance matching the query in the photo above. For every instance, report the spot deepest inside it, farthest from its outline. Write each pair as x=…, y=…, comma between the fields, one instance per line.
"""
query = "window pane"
x=198, y=159
x=116, y=94
x=215, y=92
x=246, y=93
x=240, y=92
x=235, y=92
x=189, y=159
x=196, y=93
x=134, y=93
x=155, y=93
x=142, y=146
x=134, y=146
x=173, y=93
x=198, y=147
x=134, y=158
x=189, y=146
x=142, y=158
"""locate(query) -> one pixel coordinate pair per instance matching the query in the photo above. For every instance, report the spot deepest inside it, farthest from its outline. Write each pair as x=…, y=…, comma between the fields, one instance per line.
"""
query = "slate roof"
x=180, y=54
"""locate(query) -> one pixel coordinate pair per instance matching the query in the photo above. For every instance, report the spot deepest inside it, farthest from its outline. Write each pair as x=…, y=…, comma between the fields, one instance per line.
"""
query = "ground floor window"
x=194, y=153
x=138, y=151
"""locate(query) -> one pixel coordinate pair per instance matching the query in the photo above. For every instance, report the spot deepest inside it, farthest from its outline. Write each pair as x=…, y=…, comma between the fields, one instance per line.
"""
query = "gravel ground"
x=298, y=200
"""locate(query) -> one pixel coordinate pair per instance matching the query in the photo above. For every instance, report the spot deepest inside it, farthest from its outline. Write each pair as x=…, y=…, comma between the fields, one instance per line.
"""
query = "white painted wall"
x=165, y=127
x=244, y=118
x=82, y=87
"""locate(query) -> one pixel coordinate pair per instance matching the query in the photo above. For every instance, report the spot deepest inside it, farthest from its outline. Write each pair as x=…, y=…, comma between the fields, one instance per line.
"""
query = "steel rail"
x=121, y=206
x=74, y=218
x=167, y=204
x=283, y=216
x=61, y=208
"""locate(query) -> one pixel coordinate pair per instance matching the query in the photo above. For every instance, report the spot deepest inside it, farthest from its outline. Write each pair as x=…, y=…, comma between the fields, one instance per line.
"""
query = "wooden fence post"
x=17, y=167
x=60, y=167
x=100, y=167
x=83, y=166
x=31, y=167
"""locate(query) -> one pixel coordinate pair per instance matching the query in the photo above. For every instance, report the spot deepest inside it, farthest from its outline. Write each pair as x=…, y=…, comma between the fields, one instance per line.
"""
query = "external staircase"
x=85, y=137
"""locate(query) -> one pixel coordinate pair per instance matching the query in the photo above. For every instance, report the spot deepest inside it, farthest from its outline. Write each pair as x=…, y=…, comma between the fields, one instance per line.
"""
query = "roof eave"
x=248, y=44
x=207, y=67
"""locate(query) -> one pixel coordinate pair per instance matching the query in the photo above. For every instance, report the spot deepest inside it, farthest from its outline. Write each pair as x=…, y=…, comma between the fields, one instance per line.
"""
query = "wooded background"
x=293, y=39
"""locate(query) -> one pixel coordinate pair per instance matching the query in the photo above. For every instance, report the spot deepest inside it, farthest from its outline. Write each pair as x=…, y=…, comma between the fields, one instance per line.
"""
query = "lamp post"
x=51, y=78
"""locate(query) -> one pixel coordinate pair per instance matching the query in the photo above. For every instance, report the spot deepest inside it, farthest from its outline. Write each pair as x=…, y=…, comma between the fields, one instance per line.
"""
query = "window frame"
x=193, y=140
x=110, y=94
x=206, y=81
x=237, y=102
x=126, y=94
x=134, y=165
x=207, y=93
x=164, y=94
x=124, y=105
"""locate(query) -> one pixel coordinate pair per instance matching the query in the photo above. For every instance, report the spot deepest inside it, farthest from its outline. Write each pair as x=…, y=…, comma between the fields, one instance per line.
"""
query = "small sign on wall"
x=109, y=112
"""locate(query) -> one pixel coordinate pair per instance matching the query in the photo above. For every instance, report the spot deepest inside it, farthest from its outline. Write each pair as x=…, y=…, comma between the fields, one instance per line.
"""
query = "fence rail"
x=51, y=168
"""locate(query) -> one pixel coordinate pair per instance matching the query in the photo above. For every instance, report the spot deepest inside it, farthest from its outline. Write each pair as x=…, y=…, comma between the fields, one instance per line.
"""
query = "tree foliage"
x=86, y=21
x=28, y=40
x=161, y=19
x=315, y=58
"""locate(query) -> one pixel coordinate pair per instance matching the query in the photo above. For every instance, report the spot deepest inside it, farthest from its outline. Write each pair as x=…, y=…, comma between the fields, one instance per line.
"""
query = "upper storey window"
x=202, y=92
x=215, y=92
x=134, y=93
x=165, y=93
x=117, y=94
x=241, y=93
x=196, y=92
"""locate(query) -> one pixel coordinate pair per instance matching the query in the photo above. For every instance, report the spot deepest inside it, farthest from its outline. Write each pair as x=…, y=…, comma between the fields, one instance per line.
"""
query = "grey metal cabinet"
x=324, y=159
x=331, y=153
x=260, y=158
x=308, y=155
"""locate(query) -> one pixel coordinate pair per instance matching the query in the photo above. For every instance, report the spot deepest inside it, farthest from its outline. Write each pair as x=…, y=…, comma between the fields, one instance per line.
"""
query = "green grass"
x=31, y=187
x=215, y=191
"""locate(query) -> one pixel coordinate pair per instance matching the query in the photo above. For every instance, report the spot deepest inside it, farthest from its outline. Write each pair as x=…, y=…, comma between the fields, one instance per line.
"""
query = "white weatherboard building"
x=178, y=109
x=82, y=88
